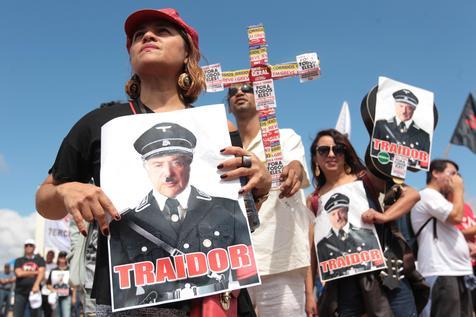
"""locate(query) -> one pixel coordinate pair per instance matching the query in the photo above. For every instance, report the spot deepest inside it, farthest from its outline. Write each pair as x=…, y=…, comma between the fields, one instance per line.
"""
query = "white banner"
x=56, y=235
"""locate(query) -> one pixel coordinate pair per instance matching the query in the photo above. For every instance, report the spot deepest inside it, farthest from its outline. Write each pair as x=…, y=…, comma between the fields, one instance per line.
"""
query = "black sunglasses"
x=29, y=245
x=324, y=150
x=245, y=88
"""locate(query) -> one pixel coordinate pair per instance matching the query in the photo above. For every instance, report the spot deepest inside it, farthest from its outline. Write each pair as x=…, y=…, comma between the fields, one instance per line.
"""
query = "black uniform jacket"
x=332, y=247
x=414, y=137
x=210, y=222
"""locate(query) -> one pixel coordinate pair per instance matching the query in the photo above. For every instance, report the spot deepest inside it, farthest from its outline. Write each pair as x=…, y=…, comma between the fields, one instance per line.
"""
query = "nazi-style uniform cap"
x=406, y=96
x=337, y=200
x=165, y=138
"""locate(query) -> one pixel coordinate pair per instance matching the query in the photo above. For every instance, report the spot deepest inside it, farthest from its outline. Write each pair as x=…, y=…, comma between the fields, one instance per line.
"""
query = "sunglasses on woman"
x=324, y=150
x=245, y=88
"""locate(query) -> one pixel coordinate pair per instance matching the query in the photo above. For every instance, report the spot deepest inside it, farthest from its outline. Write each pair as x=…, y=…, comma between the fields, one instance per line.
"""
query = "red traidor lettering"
x=423, y=156
x=393, y=148
x=384, y=145
x=324, y=266
x=332, y=265
x=354, y=258
x=180, y=267
x=196, y=264
x=404, y=151
x=341, y=262
x=365, y=256
x=239, y=256
x=376, y=256
x=376, y=144
x=164, y=270
x=415, y=154
x=144, y=273
x=247, y=271
x=124, y=277
x=218, y=260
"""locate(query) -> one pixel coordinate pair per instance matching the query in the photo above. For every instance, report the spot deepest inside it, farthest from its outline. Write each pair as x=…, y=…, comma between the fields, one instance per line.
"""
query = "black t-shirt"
x=79, y=159
x=24, y=285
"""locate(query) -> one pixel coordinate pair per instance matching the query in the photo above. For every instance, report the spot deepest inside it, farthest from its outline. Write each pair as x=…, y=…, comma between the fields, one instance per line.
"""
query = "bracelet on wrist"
x=260, y=199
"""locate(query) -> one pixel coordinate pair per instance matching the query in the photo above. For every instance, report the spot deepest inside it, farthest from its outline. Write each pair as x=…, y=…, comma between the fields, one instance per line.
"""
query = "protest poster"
x=183, y=231
x=60, y=282
x=345, y=245
x=404, y=123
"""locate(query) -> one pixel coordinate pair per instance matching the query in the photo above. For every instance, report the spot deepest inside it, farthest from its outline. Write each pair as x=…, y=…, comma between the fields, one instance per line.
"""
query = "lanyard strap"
x=133, y=109
x=134, y=104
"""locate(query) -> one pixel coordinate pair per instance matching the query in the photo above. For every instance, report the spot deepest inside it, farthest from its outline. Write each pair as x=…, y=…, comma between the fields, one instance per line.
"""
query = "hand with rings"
x=248, y=165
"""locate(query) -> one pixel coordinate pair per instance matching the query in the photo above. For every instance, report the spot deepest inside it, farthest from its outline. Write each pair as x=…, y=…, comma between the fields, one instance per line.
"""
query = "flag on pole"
x=465, y=131
x=343, y=122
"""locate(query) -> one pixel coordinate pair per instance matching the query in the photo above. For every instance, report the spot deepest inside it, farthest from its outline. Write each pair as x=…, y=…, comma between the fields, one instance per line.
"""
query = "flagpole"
x=447, y=151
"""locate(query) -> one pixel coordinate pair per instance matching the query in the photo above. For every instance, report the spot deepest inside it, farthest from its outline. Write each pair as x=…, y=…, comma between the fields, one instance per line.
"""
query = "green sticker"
x=383, y=157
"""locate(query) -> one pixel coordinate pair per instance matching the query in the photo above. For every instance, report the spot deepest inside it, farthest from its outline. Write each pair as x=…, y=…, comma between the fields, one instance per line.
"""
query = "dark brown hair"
x=351, y=158
x=192, y=68
x=438, y=165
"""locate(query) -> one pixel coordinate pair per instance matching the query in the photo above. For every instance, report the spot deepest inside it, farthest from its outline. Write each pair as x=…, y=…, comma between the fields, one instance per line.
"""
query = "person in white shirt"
x=443, y=255
x=281, y=242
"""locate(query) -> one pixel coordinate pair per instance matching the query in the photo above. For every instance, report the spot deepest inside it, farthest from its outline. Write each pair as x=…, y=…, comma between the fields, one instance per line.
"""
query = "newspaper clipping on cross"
x=183, y=231
x=345, y=245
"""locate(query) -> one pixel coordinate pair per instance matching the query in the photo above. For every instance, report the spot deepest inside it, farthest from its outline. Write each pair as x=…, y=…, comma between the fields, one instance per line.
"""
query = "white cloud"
x=14, y=230
x=3, y=164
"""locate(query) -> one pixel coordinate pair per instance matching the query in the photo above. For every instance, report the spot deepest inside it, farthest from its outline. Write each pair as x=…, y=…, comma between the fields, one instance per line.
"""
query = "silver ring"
x=246, y=161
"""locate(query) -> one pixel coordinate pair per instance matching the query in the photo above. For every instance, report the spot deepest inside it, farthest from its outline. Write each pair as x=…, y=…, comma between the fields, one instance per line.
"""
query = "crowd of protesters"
x=35, y=287
x=440, y=284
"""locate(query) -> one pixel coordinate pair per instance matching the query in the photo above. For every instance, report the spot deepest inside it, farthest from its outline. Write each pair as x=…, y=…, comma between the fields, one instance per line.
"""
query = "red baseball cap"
x=137, y=18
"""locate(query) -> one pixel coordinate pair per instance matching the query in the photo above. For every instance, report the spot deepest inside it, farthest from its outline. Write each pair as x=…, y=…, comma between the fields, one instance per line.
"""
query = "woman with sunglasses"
x=164, y=56
x=335, y=163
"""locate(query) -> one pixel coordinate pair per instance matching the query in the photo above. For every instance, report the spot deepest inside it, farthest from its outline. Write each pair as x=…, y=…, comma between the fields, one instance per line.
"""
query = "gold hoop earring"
x=184, y=81
x=347, y=169
x=133, y=87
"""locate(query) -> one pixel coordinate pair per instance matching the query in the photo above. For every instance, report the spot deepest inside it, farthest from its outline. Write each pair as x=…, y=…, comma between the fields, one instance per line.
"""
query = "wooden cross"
x=262, y=75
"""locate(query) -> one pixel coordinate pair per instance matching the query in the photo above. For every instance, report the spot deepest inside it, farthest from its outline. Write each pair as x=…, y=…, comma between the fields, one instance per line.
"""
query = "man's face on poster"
x=404, y=111
x=169, y=174
x=338, y=217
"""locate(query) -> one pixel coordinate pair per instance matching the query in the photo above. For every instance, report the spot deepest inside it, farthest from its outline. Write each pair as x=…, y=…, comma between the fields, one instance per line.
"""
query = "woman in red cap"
x=164, y=56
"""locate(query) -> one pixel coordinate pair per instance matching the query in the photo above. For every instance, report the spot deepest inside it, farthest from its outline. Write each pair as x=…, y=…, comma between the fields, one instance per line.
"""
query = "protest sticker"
x=236, y=77
x=258, y=56
x=213, y=78
x=284, y=70
x=256, y=35
x=264, y=94
x=399, y=166
x=308, y=67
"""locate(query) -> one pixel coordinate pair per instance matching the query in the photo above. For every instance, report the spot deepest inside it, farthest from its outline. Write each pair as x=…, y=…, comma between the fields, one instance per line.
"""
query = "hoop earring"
x=133, y=87
x=184, y=81
x=347, y=169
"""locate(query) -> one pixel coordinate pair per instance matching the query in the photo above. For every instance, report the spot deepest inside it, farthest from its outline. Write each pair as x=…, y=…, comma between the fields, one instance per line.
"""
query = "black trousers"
x=450, y=297
x=21, y=301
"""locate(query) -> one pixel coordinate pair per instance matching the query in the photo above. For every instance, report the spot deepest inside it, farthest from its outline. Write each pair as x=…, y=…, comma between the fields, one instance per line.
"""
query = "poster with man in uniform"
x=183, y=232
x=345, y=245
x=404, y=124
